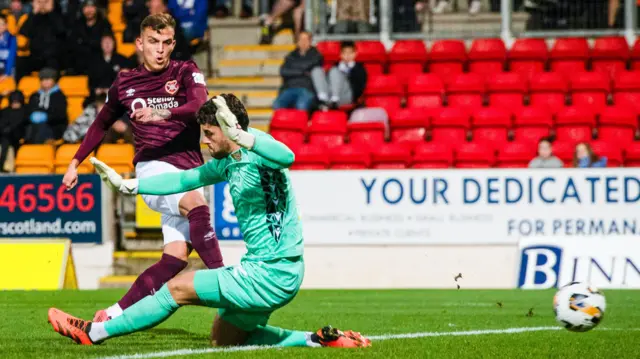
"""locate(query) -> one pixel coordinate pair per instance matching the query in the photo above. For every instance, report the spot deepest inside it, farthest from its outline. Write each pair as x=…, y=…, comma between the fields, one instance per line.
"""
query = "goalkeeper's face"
x=219, y=145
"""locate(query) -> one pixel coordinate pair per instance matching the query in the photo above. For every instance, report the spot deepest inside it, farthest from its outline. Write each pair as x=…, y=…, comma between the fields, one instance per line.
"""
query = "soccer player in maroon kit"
x=162, y=97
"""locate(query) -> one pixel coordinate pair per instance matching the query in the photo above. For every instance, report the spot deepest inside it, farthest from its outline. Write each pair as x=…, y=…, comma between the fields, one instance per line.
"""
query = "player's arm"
x=163, y=184
x=196, y=89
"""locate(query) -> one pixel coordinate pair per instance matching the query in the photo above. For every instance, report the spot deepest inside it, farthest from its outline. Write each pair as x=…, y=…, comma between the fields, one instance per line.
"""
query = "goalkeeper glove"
x=113, y=179
x=229, y=124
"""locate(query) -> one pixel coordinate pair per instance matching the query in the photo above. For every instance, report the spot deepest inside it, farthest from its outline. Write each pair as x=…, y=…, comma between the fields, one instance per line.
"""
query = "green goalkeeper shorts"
x=246, y=294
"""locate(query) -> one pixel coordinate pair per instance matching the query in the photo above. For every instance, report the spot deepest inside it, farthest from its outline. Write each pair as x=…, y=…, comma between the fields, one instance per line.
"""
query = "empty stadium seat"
x=114, y=15
x=125, y=49
x=74, y=85
x=373, y=56
x=311, y=157
x=64, y=155
x=590, y=90
x=74, y=108
x=7, y=85
x=432, y=155
x=28, y=85
x=548, y=90
x=450, y=126
x=473, y=155
x=408, y=126
x=564, y=151
x=506, y=90
x=366, y=133
x=407, y=58
x=632, y=155
x=390, y=156
x=626, y=90
x=528, y=56
x=569, y=55
x=487, y=56
x=465, y=90
x=515, y=155
x=289, y=126
x=117, y=156
x=635, y=56
x=490, y=126
x=330, y=51
x=350, y=157
x=617, y=125
x=447, y=57
x=425, y=90
x=610, y=54
x=328, y=128
x=531, y=124
x=575, y=124
x=610, y=150
x=37, y=159
x=383, y=91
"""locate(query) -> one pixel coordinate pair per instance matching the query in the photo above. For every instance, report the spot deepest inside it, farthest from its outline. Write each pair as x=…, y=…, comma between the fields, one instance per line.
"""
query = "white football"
x=579, y=307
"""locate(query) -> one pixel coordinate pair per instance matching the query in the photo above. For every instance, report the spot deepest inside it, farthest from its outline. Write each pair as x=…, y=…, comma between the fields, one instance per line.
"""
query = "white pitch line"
x=182, y=352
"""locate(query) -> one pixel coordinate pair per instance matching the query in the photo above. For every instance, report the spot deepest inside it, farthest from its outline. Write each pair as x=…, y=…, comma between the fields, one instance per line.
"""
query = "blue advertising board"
x=41, y=207
x=224, y=218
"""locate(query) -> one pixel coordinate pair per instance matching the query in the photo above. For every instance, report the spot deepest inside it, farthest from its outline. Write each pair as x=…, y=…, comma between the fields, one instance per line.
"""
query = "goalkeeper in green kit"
x=270, y=273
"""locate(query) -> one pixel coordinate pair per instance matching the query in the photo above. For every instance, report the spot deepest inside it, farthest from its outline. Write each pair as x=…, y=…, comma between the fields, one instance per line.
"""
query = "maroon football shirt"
x=181, y=89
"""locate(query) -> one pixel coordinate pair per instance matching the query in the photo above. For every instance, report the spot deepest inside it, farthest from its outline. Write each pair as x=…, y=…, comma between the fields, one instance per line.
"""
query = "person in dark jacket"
x=133, y=11
x=297, y=89
x=12, y=124
x=47, y=110
x=104, y=67
x=85, y=38
x=345, y=82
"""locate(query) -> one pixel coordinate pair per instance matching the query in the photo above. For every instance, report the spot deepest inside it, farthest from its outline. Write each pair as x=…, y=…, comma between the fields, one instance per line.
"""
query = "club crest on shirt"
x=171, y=87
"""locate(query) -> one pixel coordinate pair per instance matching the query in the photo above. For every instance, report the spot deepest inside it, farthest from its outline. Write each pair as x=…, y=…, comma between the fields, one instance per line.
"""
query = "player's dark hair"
x=347, y=44
x=207, y=113
x=158, y=22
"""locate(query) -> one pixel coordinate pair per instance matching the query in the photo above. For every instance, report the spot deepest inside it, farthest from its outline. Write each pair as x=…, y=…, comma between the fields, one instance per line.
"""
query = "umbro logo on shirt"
x=130, y=92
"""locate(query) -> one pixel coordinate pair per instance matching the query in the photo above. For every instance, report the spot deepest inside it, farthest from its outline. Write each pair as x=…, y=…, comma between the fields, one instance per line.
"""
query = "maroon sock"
x=152, y=279
x=203, y=238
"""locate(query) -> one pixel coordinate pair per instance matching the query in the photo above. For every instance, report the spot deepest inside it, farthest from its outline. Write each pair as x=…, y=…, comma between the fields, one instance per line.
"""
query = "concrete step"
x=249, y=67
x=272, y=83
x=135, y=262
x=250, y=98
x=259, y=52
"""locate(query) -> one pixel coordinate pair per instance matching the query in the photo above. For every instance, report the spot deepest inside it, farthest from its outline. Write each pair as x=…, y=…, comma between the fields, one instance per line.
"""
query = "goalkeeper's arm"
x=272, y=150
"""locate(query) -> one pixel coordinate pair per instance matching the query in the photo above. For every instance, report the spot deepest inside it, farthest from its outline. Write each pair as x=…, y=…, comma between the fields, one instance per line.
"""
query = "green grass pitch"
x=25, y=333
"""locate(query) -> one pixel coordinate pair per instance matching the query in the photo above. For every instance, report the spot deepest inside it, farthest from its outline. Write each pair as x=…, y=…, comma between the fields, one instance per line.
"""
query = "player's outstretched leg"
x=325, y=337
x=203, y=237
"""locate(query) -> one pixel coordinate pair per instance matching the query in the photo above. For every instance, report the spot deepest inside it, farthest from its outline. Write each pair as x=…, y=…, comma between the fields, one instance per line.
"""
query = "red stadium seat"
x=432, y=155
x=328, y=128
x=575, y=124
x=564, y=151
x=473, y=155
x=590, y=90
x=350, y=157
x=610, y=150
x=383, y=91
x=407, y=58
x=610, y=55
x=490, y=126
x=531, y=124
x=289, y=126
x=330, y=51
x=366, y=133
x=447, y=57
x=569, y=55
x=515, y=155
x=373, y=55
x=506, y=90
x=311, y=157
x=528, y=56
x=466, y=91
x=632, y=155
x=617, y=125
x=626, y=90
x=549, y=91
x=487, y=56
x=390, y=156
x=425, y=90
x=408, y=126
x=635, y=56
x=450, y=126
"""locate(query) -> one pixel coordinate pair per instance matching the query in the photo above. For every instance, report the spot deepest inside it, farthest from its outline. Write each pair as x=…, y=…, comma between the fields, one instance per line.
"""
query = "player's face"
x=219, y=145
x=156, y=47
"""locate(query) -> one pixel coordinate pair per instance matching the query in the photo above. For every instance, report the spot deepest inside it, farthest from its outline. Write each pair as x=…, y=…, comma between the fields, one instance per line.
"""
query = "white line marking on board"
x=182, y=352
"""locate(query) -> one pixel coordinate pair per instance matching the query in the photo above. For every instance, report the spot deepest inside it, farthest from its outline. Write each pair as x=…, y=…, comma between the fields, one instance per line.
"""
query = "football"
x=579, y=307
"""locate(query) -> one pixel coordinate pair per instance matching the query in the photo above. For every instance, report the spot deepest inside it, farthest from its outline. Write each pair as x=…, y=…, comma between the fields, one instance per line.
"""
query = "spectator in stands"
x=584, y=157
x=133, y=11
x=405, y=15
x=279, y=9
x=297, y=89
x=47, y=110
x=345, y=82
x=351, y=15
x=223, y=8
x=12, y=125
x=8, y=49
x=46, y=33
x=78, y=129
x=182, y=50
x=86, y=37
x=445, y=5
x=104, y=67
x=192, y=16
x=545, y=158
x=16, y=13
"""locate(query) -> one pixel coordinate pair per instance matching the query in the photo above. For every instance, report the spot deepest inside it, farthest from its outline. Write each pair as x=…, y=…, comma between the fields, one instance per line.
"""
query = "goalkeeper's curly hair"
x=207, y=113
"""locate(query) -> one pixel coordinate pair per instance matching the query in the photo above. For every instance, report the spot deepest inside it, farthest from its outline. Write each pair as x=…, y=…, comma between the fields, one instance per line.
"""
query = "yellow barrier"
x=40, y=264
x=146, y=217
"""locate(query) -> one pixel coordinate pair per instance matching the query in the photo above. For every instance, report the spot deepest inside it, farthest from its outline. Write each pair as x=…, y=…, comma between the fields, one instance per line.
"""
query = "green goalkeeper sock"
x=147, y=313
x=269, y=335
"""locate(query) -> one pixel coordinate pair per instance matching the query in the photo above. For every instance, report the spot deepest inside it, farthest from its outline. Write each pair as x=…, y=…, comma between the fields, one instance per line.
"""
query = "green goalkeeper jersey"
x=261, y=191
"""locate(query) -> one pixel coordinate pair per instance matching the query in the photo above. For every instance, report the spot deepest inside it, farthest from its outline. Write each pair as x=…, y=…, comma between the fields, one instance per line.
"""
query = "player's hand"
x=113, y=179
x=70, y=178
x=229, y=124
x=148, y=114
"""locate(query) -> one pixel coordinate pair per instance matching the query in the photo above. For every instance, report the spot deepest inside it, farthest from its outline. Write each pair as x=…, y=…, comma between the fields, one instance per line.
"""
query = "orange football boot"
x=69, y=326
x=335, y=338
x=101, y=316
